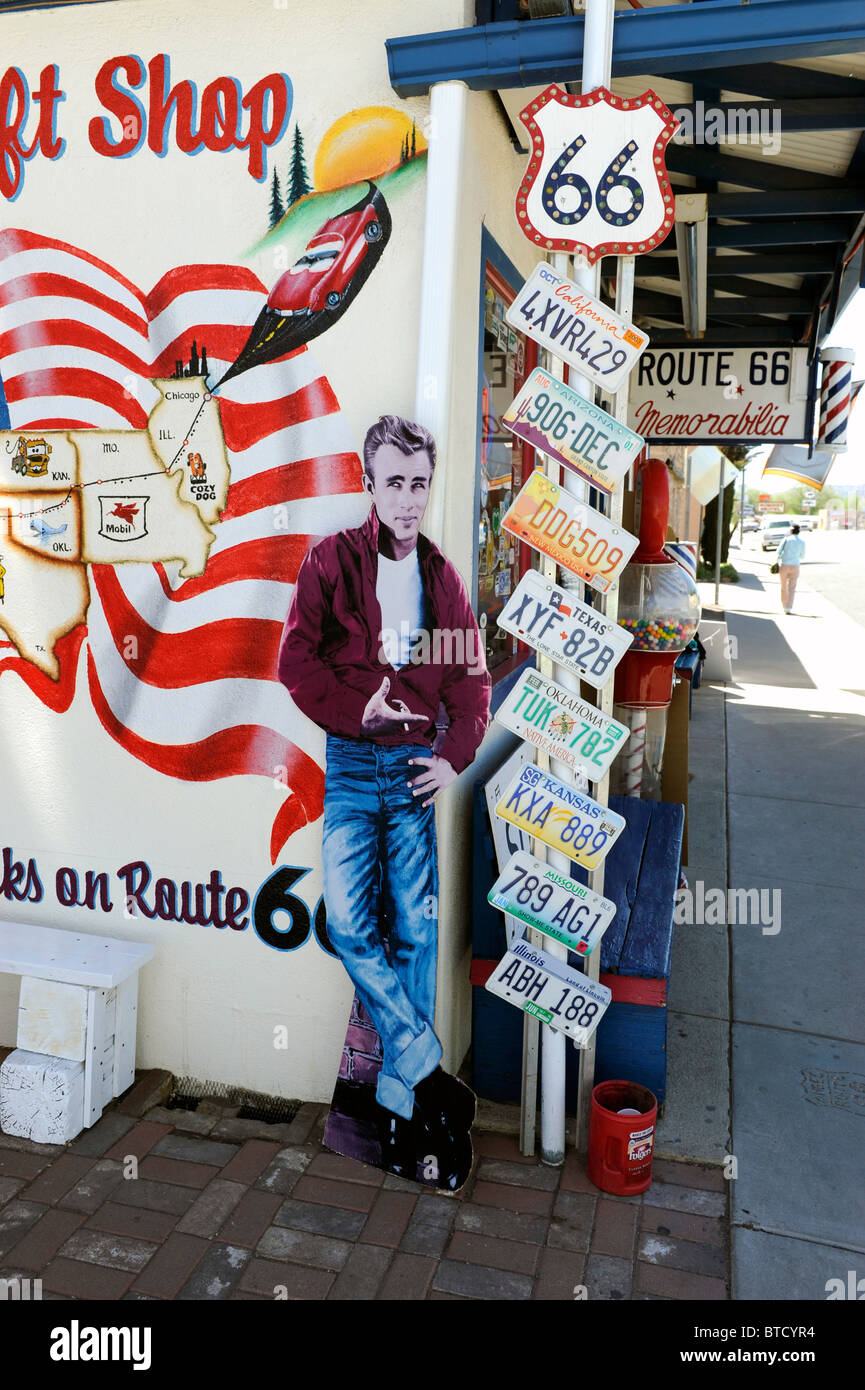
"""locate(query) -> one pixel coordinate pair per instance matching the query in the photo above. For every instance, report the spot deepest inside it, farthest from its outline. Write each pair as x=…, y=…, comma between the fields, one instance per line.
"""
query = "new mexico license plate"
x=559, y=723
x=560, y=422
x=552, y=903
x=558, y=626
x=550, y=990
x=565, y=819
x=570, y=532
x=580, y=330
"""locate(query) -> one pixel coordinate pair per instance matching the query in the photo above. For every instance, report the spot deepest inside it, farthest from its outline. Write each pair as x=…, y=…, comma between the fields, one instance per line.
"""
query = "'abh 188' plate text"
x=550, y=990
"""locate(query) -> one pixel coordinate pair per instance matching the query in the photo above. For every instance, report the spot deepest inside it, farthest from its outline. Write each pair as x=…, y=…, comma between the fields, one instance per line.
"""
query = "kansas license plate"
x=569, y=532
x=552, y=903
x=550, y=990
x=559, y=723
x=560, y=422
x=564, y=818
x=580, y=330
x=558, y=626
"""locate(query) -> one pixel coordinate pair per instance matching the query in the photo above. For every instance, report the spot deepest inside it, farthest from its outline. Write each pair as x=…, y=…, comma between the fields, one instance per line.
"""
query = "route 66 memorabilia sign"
x=596, y=180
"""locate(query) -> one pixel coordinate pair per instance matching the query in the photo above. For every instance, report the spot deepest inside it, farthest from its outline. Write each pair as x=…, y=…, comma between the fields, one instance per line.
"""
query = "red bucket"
x=621, y=1146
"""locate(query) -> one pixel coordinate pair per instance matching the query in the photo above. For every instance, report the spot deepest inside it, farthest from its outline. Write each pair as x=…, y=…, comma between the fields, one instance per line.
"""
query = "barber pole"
x=835, y=398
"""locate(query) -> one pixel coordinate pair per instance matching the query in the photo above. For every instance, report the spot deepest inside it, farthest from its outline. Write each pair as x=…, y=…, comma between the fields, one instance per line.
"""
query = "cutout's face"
x=399, y=489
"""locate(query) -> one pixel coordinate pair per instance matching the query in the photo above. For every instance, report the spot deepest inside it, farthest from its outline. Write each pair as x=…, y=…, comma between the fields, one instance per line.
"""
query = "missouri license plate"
x=561, y=627
x=564, y=818
x=569, y=532
x=559, y=723
x=550, y=990
x=580, y=330
x=560, y=422
x=552, y=903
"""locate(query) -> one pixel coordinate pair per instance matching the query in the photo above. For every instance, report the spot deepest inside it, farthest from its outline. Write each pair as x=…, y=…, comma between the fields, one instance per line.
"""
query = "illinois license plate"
x=550, y=990
x=569, y=632
x=580, y=330
x=560, y=422
x=551, y=902
x=564, y=818
x=570, y=532
x=559, y=723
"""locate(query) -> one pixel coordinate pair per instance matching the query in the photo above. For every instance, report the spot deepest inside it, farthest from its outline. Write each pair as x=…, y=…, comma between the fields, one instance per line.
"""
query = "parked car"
x=773, y=532
x=750, y=524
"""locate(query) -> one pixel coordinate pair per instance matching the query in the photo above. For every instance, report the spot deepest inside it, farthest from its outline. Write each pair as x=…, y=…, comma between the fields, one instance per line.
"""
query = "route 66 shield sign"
x=596, y=180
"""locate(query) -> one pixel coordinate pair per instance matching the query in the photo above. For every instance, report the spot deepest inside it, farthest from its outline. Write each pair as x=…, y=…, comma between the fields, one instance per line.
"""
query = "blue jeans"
x=379, y=850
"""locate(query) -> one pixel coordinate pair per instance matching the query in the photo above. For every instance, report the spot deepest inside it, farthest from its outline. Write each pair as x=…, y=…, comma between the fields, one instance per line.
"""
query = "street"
x=834, y=565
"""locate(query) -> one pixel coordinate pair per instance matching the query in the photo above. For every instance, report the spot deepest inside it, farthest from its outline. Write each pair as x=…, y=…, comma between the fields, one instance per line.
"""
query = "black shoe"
x=448, y=1161
x=400, y=1140
x=445, y=1102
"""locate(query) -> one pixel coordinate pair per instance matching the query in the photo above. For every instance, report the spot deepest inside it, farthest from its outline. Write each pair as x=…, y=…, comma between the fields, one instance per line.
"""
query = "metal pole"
x=686, y=535
x=720, y=522
x=742, y=506
x=597, y=65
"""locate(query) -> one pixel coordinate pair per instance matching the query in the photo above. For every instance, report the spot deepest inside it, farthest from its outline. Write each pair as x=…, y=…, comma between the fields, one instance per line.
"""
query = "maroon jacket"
x=329, y=656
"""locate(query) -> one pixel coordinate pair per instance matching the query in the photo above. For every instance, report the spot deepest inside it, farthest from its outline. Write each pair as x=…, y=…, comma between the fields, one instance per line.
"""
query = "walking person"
x=354, y=659
x=790, y=553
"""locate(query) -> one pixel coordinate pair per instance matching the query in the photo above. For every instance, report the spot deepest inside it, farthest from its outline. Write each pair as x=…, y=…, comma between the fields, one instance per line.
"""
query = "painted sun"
x=363, y=144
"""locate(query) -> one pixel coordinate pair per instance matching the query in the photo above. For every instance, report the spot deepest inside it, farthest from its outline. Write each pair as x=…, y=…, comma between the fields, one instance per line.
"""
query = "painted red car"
x=318, y=288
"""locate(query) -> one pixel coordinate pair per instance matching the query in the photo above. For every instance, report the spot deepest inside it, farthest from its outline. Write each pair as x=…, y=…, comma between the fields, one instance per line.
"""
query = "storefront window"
x=505, y=462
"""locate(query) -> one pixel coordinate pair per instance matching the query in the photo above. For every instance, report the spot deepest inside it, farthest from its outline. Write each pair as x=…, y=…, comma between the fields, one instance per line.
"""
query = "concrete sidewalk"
x=795, y=719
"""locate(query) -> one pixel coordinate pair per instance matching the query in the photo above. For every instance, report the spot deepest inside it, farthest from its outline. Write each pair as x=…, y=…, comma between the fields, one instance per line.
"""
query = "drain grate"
x=188, y=1091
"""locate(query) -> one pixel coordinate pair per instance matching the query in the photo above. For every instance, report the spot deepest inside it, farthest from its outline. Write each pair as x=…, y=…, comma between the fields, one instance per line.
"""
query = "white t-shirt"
x=399, y=590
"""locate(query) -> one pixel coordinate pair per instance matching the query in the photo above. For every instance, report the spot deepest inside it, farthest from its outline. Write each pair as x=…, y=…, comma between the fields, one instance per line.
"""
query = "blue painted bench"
x=642, y=875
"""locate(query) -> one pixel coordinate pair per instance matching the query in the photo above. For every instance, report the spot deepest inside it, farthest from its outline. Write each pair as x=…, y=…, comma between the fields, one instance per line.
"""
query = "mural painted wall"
x=209, y=274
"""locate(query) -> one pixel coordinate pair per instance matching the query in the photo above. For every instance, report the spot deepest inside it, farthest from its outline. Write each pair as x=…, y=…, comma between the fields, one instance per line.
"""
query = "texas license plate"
x=550, y=990
x=569, y=532
x=569, y=632
x=580, y=330
x=560, y=422
x=564, y=818
x=559, y=723
x=552, y=903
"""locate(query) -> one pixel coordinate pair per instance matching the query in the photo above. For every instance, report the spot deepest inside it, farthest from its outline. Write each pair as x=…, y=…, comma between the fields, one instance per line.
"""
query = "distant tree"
x=299, y=183
x=277, y=211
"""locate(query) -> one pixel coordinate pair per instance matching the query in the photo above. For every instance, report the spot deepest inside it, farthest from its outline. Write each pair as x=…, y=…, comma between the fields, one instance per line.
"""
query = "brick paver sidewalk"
x=223, y=1208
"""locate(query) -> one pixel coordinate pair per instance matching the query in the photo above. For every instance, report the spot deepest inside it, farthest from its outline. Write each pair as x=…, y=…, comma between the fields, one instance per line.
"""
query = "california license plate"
x=552, y=903
x=560, y=422
x=569, y=632
x=569, y=532
x=580, y=330
x=559, y=723
x=550, y=990
x=564, y=818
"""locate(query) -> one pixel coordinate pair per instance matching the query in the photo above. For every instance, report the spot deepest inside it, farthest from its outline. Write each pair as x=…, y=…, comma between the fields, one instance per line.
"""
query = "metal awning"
x=786, y=224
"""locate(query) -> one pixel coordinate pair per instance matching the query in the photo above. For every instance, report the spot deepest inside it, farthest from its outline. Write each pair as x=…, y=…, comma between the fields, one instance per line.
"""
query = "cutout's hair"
x=408, y=437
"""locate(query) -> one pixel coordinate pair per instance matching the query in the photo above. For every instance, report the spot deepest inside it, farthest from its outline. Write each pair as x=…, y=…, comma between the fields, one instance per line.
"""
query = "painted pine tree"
x=413, y=150
x=277, y=211
x=298, y=179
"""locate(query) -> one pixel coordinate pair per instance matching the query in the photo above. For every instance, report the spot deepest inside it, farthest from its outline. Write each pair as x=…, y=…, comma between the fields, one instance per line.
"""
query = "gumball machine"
x=660, y=606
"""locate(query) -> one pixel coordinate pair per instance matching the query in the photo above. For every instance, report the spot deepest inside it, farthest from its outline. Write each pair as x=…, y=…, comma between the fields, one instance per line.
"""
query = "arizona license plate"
x=560, y=422
x=570, y=532
x=559, y=723
x=565, y=819
x=580, y=330
x=569, y=632
x=552, y=903
x=550, y=990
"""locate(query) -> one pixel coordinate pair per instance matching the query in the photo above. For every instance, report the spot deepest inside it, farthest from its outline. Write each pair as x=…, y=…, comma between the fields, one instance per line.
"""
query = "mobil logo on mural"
x=122, y=518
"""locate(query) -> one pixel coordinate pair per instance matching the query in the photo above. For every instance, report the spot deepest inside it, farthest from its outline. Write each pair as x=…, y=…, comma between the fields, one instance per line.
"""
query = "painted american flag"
x=79, y=344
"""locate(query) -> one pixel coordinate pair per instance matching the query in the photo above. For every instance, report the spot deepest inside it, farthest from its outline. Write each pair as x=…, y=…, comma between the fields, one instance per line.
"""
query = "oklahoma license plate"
x=565, y=819
x=560, y=422
x=580, y=330
x=559, y=723
x=570, y=532
x=552, y=903
x=550, y=990
x=558, y=626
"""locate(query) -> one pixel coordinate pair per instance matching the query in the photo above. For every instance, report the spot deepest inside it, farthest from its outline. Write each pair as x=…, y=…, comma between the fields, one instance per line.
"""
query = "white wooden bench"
x=78, y=1002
